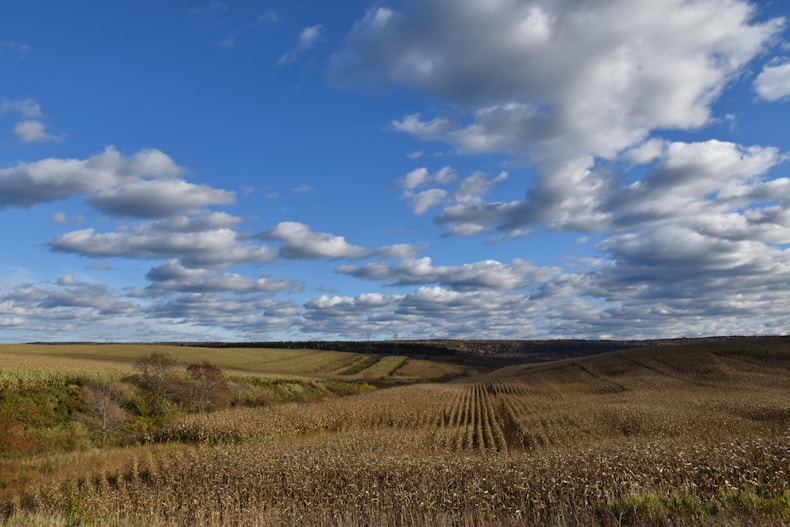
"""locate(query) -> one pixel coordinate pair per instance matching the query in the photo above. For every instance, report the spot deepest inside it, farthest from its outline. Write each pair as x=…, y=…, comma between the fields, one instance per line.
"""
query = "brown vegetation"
x=673, y=434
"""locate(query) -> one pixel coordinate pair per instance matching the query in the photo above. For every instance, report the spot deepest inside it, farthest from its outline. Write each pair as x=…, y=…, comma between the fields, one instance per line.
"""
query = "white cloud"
x=689, y=237
x=12, y=322
x=31, y=129
x=59, y=218
x=66, y=300
x=352, y=316
x=421, y=202
x=696, y=180
x=157, y=198
x=67, y=279
x=297, y=241
x=400, y=251
x=211, y=248
x=242, y=317
x=205, y=221
x=465, y=211
x=487, y=274
x=28, y=184
x=25, y=107
x=413, y=124
x=570, y=54
x=173, y=276
x=34, y=132
x=309, y=36
x=415, y=178
x=421, y=176
x=307, y=39
x=559, y=84
x=773, y=83
x=474, y=187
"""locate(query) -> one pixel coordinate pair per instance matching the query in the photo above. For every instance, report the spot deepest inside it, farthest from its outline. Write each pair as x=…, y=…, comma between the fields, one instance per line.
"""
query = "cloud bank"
x=589, y=105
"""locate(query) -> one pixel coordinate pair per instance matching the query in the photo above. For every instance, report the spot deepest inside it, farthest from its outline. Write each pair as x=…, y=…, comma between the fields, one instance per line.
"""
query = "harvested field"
x=651, y=436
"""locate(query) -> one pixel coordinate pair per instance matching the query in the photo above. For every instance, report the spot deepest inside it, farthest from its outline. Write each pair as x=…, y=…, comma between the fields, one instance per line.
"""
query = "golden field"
x=678, y=433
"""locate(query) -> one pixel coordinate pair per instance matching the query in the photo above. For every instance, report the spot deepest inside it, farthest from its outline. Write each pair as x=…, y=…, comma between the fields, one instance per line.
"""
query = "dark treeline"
x=493, y=352
x=447, y=348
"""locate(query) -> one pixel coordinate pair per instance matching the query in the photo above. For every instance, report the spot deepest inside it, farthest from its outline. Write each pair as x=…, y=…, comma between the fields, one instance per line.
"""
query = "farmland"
x=679, y=432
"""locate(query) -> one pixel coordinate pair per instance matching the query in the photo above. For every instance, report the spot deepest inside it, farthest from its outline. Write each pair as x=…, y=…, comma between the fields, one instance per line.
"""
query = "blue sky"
x=253, y=170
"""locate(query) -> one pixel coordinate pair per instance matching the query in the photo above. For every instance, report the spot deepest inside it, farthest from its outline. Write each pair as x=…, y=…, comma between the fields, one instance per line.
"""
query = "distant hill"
x=499, y=353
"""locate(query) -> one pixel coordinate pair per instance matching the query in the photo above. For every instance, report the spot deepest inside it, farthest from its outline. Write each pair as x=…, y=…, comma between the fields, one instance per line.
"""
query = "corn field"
x=628, y=438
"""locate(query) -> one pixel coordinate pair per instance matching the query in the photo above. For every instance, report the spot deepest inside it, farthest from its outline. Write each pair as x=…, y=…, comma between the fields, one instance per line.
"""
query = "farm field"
x=42, y=362
x=688, y=433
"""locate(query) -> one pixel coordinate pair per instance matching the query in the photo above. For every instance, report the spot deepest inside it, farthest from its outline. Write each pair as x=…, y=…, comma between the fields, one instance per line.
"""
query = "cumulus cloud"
x=559, y=84
x=157, y=198
x=205, y=221
x=421, y=176
x=76, y=294
x=307, y=39
x=297, y=241
x=31, y=129
x=427, y=312
x=696, y=242
x=173, y=276
x=464, y=208
x=687, y=283
x=368, y=313
x=694, y=181
x=209, y=248
x=64, y=305
x=692, y=235
x=702, y=184
x=564, y=55
x=28, y=184
x=689, y=237
x=773, y=83
x=242, y=317
x=34, y=132
x=487, y=274
x=420, y=201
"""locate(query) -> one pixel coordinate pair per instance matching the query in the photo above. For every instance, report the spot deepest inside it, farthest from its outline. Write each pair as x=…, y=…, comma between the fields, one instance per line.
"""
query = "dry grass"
x=29, y=362
x=669, y=436
x=428, y=369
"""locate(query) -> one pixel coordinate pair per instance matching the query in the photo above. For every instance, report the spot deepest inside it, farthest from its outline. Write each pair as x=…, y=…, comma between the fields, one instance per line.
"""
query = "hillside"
x=690, y=432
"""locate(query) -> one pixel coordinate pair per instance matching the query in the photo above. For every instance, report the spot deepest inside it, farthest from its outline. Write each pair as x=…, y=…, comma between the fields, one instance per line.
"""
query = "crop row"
x=506, y=415
x=563, y=443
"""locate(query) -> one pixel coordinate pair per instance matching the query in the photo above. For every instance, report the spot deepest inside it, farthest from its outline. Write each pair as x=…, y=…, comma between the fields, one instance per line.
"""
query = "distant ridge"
x=500, y=353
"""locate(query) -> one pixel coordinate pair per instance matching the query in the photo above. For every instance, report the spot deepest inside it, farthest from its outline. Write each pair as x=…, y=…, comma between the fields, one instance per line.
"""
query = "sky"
x=253, y=170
